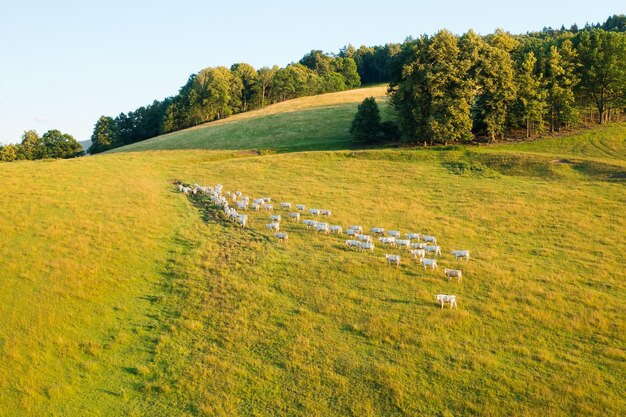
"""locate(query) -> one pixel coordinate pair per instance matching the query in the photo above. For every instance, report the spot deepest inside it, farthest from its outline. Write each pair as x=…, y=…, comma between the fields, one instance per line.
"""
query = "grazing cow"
x=385, y=240
x=273, y=226
x=430, y=239
x=378, y=230
x=295, y=216
x=393, y=259
x=364, y=238
x=322, y=227
x=461, y=254
x=418, y=253
x=406, y=243
x=353, y=243
x=444, y=298
x=453, y=273
x=357, y=229
x=336, y=229
x=276, y=218
x=435, y=249
x=363, y=246
x=285, y=206
x=282, y=236
x=394, y=233
x=429, y=262
x=413, y=236
x=268, y=207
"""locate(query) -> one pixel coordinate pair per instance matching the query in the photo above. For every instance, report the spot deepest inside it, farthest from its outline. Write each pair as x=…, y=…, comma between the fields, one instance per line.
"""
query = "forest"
x=443, y=88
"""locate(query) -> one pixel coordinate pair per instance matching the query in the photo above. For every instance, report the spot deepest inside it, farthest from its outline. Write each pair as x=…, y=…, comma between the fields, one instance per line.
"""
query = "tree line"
x=53, y=144
x=218, y=92
x=448, y=88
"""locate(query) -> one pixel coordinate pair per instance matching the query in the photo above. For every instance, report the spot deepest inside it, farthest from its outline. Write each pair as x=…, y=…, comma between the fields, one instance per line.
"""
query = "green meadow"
x=121, y=296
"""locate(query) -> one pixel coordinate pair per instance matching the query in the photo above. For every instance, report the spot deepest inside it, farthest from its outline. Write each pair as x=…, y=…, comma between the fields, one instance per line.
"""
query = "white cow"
x=393, y=259
x=418, y=245
x=378, y=230
x=444, y=298
x=358, y=229
x=453, y=273
x=406, y=243
x=351, y=232
x=268, y=207
x=300, y=207
x=273, y=226
x=322, y=227
x=353, y=243
x=428, y=262
x=276, y=218
x=282, y=236
x=435, y=249
x=363, y=246
x=326, y=213
x=461, y=254
x=384, y=240
x=309, y=223
x=335, y=228
x=285, y=206
x=242, y=219
x=418, y=253
x=394, y=233
x=295, y=216
x=413, y=236
x=430, y=239
x=364, y=238
x=314, y=212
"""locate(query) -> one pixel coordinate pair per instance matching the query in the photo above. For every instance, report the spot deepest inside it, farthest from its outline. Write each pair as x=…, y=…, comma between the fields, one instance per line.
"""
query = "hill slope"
x=309, y=123
x=122, y=296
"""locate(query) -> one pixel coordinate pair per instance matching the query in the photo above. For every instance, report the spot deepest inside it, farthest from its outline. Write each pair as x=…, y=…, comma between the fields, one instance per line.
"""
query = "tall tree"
x=531, y=95
x=366, y=123
x=561, y=80
x=602, y=70
x=249, y=78
x=104, y=135
x=497, y=89
x=346, y=67
x=31, y=147
x=434, y=97
x=265, y=76
x=61, y=145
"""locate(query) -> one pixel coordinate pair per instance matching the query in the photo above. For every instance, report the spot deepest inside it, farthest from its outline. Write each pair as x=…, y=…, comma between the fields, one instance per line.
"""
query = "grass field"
x=121, y=296
x=308, y=123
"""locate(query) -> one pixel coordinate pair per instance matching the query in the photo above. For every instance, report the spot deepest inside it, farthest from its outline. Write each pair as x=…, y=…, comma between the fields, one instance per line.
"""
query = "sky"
x=64, y=63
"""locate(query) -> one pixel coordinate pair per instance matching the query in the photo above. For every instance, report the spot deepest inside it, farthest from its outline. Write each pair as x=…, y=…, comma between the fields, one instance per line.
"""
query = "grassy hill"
x=308, y=123
x=121, y=296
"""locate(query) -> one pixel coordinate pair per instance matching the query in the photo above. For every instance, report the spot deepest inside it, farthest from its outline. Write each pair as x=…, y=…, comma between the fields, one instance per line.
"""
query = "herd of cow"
x=416, y=244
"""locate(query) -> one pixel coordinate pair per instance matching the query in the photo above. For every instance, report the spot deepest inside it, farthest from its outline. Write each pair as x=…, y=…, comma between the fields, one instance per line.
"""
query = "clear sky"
x=64, y=63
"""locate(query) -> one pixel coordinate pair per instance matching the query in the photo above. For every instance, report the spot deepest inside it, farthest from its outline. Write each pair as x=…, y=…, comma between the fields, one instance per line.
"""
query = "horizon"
x=93, y=61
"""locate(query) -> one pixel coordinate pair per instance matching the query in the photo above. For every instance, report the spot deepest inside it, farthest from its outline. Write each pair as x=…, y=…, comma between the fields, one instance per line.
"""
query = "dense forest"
x=451, y=88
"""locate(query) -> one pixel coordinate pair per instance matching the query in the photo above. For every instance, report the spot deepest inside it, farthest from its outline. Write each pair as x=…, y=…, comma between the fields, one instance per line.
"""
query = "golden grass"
x=122, y=297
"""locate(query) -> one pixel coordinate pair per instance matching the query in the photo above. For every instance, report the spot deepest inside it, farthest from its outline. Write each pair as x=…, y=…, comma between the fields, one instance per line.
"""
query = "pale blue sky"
x=64, y=63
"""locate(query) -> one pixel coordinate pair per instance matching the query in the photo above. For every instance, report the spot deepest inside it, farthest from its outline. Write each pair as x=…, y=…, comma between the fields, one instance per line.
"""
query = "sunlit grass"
x=309, y=123
x=121, y=296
